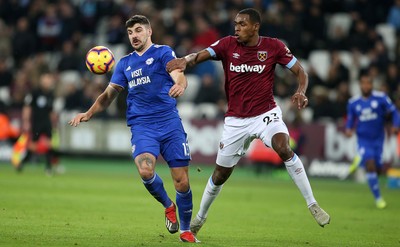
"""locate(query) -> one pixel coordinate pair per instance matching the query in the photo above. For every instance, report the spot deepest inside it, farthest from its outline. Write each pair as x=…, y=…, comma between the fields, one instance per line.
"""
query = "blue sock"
x=373, y=183
x=156, y=187
x=185, y=206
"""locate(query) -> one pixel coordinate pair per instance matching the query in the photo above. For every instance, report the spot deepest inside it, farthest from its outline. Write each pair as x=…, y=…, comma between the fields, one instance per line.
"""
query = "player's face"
x=366, y=86
x=245, y=30
x=139, y=36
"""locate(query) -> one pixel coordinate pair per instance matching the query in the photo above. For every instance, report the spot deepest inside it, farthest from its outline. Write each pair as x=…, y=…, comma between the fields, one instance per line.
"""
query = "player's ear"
x=256, y=27
x=150, y=31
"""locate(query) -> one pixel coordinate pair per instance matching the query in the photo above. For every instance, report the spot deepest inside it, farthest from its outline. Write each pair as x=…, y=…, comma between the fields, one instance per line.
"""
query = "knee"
x=181, y=184
x=145, y=168
x=284, y=151
x=146, y=173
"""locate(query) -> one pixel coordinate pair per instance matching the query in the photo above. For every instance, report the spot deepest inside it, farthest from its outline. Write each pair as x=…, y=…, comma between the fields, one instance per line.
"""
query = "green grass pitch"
x=103, y=203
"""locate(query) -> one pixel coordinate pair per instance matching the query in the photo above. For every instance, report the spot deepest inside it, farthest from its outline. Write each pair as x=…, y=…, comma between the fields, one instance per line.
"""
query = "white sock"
x=210, y=193
x=296, y=170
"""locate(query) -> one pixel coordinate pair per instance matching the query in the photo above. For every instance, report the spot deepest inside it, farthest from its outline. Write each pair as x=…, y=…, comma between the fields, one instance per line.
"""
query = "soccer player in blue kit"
x=367, y=114
x=153, y=119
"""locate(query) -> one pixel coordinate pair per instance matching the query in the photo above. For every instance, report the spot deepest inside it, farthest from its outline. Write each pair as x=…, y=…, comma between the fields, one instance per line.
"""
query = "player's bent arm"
x=101, y=103
x=180, y=83
x=302, y=78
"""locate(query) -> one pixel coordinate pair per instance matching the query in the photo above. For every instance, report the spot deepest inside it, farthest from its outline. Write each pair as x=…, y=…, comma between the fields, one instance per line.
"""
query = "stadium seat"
x=207, y=110
x=118, y=50
x=193, y=87
x=342, y=20
x=187, y=110
x=5, y=94
x=320, y=60
x=388, y=33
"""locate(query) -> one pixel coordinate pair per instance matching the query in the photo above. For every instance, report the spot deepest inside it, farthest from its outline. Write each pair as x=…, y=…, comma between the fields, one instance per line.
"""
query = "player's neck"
x=366, y=95
x=254, y=41
x=145, y=48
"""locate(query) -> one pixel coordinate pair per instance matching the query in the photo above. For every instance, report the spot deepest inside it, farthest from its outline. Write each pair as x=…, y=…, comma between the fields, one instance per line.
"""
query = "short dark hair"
x=141, y=19
x=254, y=15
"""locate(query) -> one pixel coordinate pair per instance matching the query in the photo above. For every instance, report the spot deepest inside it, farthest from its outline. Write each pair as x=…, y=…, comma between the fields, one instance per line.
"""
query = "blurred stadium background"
x=335, y=41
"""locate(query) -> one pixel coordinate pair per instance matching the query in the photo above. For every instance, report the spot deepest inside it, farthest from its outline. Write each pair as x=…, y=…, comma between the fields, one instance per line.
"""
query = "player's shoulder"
x=379, y=94
x=354, y=99
x=271, y=40
x=227, y=39
x=158, y=47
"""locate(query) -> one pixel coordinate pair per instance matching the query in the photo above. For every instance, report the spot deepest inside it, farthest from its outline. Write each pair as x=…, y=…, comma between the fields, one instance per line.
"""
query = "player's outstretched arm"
x=101, y=103
x=191, y=60
x=299, y=97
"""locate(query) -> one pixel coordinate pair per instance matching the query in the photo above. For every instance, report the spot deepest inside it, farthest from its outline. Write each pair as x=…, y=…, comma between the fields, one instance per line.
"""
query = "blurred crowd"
x=335, y=40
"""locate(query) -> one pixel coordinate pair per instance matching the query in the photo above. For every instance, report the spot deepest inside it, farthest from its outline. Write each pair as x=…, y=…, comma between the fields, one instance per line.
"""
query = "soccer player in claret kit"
x=249, y=62
x=367, y=114
x=153, y=119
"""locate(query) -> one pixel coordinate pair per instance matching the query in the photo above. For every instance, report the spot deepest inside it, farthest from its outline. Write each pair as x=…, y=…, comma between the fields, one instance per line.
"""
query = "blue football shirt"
x=148, y=83
x=369, y=114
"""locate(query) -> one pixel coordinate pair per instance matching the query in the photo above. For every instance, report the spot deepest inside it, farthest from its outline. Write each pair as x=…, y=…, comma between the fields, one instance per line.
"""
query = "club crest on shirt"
x=149, y=61
x=262, y=55
x=221, y=145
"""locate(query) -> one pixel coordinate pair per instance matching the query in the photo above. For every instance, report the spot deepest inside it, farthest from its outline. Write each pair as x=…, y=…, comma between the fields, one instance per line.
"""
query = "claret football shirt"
x=249, y=73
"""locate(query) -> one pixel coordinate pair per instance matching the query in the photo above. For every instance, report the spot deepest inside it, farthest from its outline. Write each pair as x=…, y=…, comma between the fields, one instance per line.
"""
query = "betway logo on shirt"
x=247, y=68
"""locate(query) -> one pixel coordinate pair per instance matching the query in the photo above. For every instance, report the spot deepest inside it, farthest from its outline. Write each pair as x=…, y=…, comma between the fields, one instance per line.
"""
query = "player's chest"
x=142, y=72
x=239, y=60
x=368, y=110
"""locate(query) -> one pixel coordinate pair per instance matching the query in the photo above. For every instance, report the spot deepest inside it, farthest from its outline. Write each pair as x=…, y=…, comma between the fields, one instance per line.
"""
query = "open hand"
x=80, y=117
x=300, y=99
x=176, y=91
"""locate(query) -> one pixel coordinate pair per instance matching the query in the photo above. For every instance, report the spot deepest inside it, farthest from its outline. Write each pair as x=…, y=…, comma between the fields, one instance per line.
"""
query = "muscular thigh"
x=238, y=133
x=145, y=140
x=174, y=144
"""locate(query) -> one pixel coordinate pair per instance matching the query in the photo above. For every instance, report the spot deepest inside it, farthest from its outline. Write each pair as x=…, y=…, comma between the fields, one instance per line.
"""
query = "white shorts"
x=240, y=132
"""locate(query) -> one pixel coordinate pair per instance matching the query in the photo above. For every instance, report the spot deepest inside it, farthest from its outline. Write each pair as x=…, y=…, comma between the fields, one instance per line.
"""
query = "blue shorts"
x=370, y=149
x=166, y=137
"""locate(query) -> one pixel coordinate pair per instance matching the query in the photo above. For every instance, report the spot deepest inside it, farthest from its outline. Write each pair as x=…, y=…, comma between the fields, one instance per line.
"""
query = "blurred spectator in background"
x=324, y=108
x=70, y=59
x=49, y=29
x=205, y=34
x=209, y=91
x=337, y=72
x=23, y=41
x=393, y=80
x=88, y=15
x=115, y=30
x=394, y=15
x=6, y=75
x=70, y=22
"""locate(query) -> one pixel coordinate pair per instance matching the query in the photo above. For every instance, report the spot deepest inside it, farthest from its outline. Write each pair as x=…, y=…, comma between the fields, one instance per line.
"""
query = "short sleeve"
x=218, y=48
x=168, y=55
x=284, y=55
x=118, y=76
